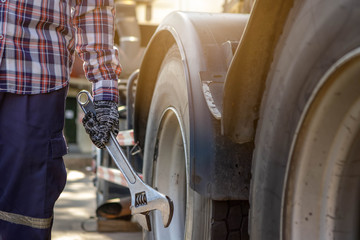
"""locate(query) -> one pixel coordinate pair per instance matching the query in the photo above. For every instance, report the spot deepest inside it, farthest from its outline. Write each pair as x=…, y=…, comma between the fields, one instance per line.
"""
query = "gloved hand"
x=100, y=125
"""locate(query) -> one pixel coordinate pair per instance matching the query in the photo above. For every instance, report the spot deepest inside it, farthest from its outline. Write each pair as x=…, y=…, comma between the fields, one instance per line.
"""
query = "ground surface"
x=76, y=206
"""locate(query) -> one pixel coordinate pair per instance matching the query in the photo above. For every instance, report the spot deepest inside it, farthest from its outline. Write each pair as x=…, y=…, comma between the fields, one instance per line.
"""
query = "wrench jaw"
x=167, y=219
x=144, y=220
x=162, y=203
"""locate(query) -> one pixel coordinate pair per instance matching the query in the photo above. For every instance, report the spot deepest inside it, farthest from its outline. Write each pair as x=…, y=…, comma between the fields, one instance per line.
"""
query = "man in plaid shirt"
x=37, y=42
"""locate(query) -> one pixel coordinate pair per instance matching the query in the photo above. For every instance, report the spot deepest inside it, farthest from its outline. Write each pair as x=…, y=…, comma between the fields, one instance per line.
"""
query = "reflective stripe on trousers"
x=40, y=223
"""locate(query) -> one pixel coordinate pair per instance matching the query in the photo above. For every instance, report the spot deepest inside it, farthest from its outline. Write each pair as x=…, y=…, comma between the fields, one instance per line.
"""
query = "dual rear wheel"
x=306, y=171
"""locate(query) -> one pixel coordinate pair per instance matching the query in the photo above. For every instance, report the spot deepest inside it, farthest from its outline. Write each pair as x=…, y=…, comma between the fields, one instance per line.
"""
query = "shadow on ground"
x=76, y=207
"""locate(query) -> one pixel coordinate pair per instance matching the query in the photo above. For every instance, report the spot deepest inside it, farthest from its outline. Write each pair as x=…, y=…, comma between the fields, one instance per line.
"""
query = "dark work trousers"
x=32, y=171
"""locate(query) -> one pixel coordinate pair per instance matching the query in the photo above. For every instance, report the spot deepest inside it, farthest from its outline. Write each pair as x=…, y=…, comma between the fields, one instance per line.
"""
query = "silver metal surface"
x=143, y=197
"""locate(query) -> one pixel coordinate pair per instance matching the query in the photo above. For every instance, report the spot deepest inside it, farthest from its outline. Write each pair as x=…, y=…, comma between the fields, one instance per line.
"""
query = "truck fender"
x=245, y=81
x=206, y=43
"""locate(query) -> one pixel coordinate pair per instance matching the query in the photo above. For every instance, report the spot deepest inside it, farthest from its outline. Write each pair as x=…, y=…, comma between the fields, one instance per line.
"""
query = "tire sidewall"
x=171, y=92
x=327, y=33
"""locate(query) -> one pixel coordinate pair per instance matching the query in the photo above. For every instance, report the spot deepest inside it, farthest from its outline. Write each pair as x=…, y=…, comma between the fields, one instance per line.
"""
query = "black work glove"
x=100, y=125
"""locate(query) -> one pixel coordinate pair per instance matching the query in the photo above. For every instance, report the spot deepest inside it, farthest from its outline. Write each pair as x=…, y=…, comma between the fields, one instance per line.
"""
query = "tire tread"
x=230, y=220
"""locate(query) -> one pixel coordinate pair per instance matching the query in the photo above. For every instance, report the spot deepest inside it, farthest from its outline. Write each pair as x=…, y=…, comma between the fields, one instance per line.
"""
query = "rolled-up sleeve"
x=94, y=23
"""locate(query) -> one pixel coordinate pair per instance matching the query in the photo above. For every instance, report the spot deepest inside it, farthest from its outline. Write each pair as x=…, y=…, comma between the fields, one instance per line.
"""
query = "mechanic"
x=37, y=42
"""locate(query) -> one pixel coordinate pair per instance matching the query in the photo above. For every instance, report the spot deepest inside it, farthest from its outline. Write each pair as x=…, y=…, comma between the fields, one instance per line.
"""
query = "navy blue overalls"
x=32, y=171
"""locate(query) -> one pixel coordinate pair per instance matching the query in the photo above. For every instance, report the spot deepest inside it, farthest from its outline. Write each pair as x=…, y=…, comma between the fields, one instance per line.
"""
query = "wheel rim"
x=169, y=166
x=322, y=191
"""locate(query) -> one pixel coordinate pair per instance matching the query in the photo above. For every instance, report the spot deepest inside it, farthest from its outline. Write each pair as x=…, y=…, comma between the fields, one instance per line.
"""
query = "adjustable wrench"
x=144, y=198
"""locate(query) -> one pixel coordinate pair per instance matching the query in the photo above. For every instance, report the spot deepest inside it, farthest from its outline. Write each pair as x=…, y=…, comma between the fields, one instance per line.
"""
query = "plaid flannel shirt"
x=37, y=42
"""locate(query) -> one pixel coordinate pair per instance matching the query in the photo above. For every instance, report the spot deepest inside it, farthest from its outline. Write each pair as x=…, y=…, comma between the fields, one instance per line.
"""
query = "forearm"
x=94, y=24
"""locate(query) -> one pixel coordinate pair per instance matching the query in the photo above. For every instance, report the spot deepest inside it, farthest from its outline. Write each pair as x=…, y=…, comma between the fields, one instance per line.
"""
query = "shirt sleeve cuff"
x=106, y=90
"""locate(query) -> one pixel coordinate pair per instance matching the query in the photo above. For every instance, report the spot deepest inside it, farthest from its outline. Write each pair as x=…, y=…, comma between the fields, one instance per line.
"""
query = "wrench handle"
x=117, y=153
x=85, y=101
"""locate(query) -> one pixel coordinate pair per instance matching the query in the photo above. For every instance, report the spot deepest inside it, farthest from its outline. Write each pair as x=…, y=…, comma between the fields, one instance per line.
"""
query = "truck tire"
x=166, y=165
x=306, y=167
